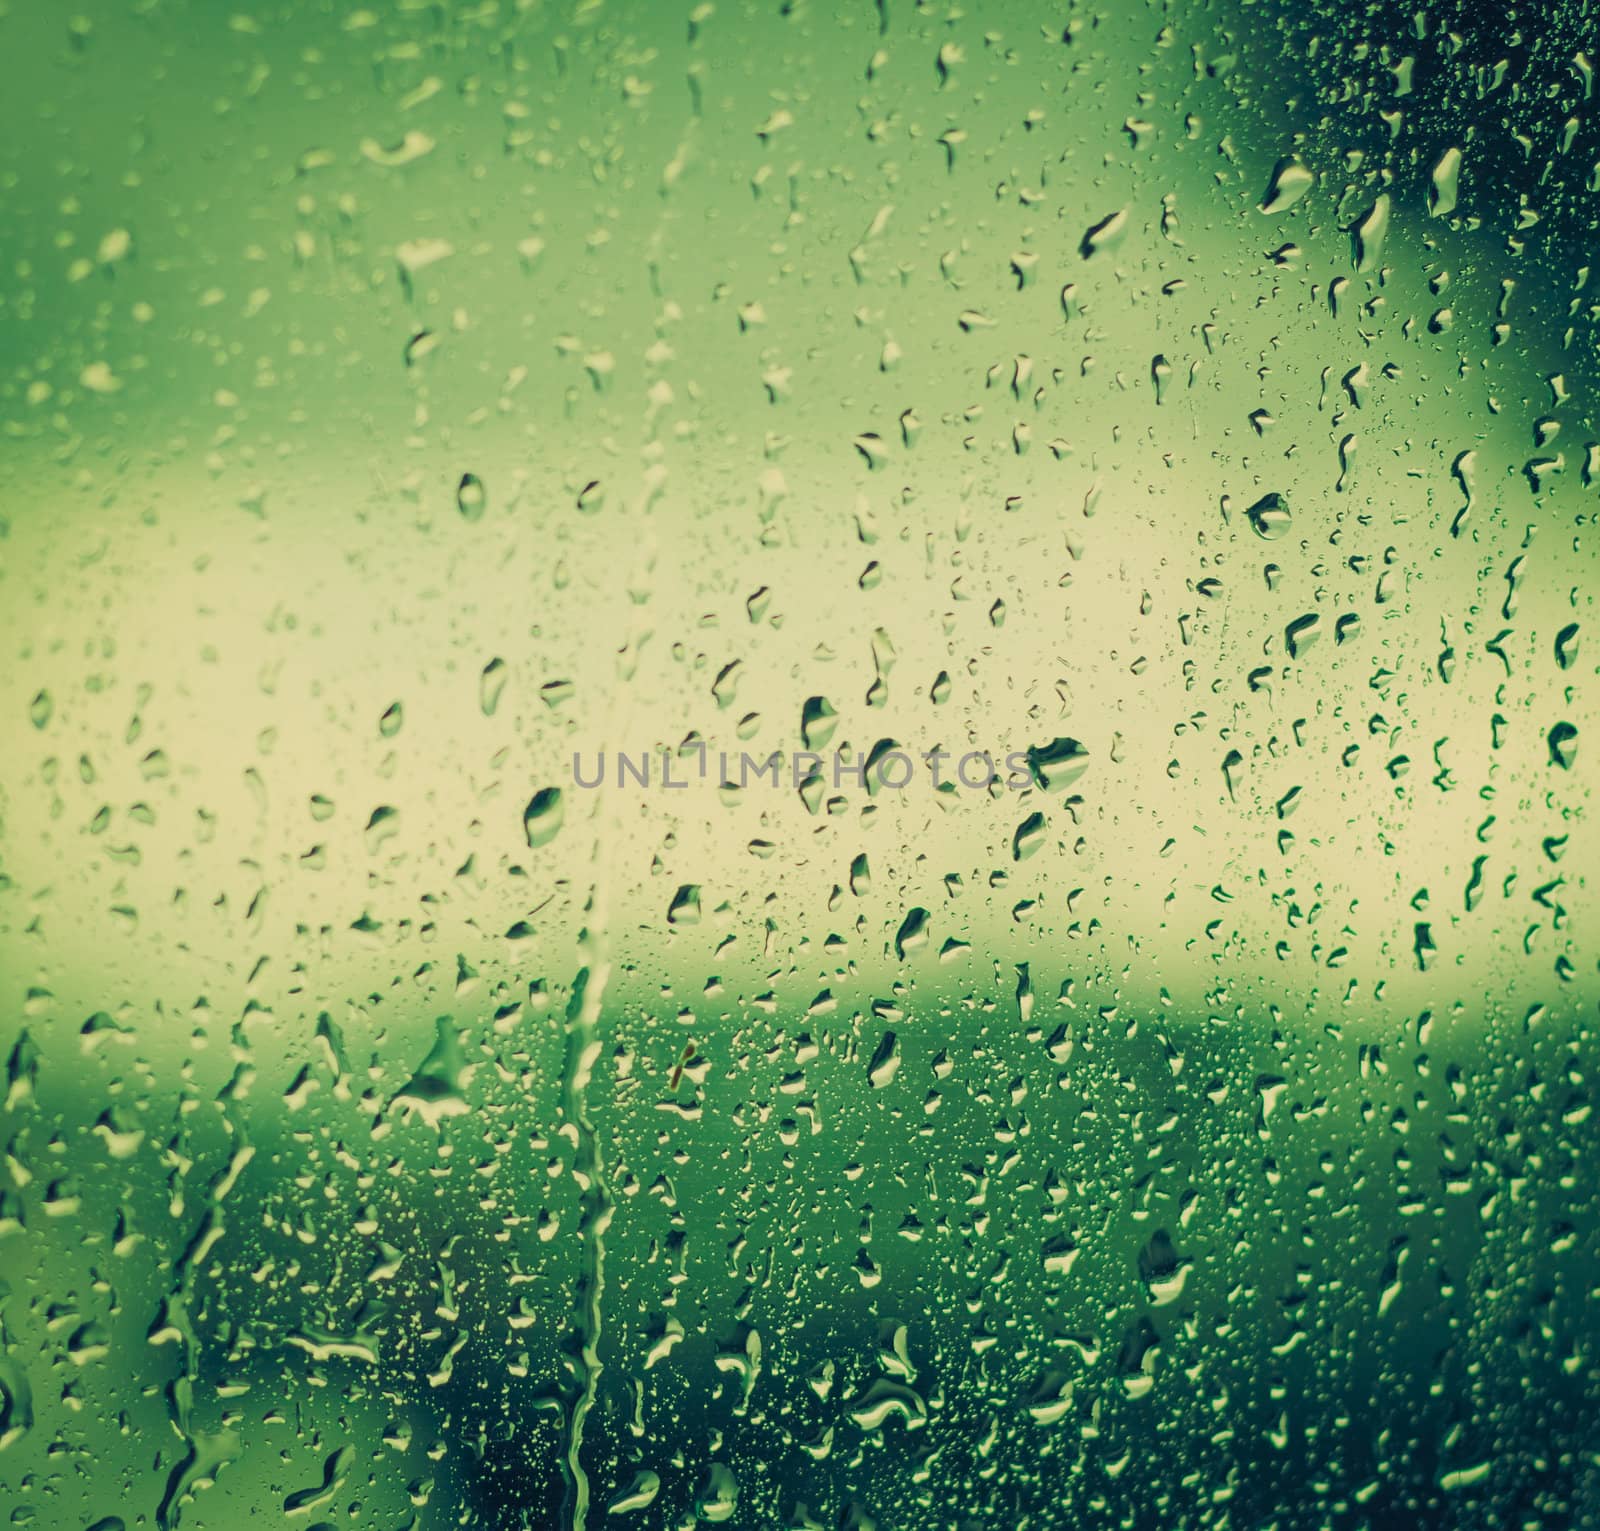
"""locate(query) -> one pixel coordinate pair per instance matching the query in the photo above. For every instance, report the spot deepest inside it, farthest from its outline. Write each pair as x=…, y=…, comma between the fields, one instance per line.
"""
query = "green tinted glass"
x=795, y=764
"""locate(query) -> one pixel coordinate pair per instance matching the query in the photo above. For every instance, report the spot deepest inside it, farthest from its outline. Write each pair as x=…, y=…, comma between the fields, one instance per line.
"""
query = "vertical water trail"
x=595, y=1205
x=580, y=1054
x=582, y=1045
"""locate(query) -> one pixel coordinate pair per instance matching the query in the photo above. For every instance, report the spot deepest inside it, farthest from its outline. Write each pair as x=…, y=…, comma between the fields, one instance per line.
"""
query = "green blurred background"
x=400, y=401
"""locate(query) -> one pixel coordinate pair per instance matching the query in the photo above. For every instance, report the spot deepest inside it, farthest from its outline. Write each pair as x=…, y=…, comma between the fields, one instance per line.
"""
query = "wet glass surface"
x=797, y=765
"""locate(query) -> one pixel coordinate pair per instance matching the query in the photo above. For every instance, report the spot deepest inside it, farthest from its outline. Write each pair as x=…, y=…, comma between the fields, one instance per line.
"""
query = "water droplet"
x=472, y=498
x=1269, y=517
x=1291, y=180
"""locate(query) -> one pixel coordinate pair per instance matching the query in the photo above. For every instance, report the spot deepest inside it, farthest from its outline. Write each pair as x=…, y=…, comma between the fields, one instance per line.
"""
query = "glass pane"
x=797, y=765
